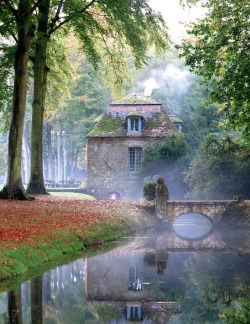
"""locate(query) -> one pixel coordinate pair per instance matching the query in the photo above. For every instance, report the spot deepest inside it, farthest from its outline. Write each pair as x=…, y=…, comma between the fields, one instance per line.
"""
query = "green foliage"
x=170, y=159
x=149, y=191
x=162, y=189
x=219, y=52
x=240, y=314
x=199, y=118
x=107, y=313
x=220, y=169
x=60, y=73
x=88, y=99
x=169, y=150
x=181, y=93
x=109, y=30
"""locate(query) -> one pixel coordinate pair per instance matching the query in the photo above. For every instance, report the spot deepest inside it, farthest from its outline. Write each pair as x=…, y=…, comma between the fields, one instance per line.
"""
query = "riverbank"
x=35, y=233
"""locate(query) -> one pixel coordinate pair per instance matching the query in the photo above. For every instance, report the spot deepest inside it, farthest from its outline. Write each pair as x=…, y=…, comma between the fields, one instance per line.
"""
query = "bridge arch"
x=214, y=210
x=192, y=226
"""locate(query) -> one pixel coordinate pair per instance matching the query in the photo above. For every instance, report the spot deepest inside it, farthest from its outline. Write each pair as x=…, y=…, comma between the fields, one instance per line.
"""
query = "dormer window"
x=176, y=121
x=134, y=124
x=178, y=126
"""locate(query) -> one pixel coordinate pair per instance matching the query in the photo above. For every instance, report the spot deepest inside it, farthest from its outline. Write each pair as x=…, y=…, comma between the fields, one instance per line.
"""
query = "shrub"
x=149, y=191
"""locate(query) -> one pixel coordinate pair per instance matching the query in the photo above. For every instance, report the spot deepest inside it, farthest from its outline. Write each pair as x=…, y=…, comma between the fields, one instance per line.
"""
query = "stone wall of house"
x=108, y=166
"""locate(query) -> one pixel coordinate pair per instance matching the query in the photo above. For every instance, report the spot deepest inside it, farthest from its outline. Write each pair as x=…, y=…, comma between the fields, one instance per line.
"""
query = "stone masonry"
x=109, y=143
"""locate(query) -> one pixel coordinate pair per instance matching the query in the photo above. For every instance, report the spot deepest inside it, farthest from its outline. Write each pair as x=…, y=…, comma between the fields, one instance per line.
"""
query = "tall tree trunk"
x=56, y=169
x=50, y=155
x=59, y=154
x=26, y=155
x=36, y=183
x=14, y=187
x=65, y=163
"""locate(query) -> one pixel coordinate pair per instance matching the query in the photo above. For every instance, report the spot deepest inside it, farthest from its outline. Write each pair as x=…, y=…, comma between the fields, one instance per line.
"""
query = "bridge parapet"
x=213, y=209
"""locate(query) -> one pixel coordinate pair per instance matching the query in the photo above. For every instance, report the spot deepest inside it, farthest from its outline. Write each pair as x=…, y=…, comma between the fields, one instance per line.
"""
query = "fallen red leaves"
x=24, y=221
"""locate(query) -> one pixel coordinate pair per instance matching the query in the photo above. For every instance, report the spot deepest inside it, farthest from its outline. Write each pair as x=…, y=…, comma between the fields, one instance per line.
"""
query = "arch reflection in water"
x=192, y=226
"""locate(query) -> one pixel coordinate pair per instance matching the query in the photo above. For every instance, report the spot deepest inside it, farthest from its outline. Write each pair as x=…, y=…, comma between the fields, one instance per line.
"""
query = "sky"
x=175, y=16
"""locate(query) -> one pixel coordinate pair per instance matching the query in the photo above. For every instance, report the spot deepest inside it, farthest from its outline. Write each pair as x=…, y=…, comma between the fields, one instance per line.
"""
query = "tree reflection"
x=215, y=282
x=36, y=300
x=141, y=284
x=15, y=306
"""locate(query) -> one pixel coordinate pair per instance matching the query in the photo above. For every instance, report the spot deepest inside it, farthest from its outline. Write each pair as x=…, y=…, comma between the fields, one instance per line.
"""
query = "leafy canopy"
x=219, y=51
x=220, y=169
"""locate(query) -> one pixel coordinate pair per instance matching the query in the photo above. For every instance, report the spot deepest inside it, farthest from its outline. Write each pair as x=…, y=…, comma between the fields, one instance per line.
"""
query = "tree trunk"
x=65, y=163
x=50, y=155
x=14, y=187
x=36, y=183
x=26, y=155
x=59, y=154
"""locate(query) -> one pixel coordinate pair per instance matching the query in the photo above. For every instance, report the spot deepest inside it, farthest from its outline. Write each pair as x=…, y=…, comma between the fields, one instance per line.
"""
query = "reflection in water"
x=192, y=226
x=143, y=281
x=135, y=278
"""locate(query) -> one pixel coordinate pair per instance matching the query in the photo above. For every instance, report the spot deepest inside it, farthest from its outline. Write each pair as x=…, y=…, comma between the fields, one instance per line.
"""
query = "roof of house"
x=155, y=121
x=175, y=119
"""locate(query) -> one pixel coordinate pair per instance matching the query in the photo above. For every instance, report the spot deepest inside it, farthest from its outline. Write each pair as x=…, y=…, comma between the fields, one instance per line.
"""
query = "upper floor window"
x=135, y=159
x=134, y=124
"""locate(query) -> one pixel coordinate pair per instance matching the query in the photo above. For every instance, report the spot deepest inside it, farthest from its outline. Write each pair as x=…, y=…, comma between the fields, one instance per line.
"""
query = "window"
x=135, y=159
x=134, y=125
x=178, y=126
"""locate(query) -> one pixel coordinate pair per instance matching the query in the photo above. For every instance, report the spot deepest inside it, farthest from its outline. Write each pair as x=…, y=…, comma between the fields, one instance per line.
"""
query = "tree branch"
x=54, y=27
x=35, y=6
x=56, y=18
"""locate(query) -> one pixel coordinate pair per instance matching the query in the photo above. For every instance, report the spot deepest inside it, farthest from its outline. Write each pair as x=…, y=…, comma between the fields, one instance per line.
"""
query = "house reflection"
x=129, y=283
x=134, y=312
x=135, y=278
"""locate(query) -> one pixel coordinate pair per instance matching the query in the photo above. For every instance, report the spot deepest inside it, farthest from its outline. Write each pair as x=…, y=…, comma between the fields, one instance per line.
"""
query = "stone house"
x=115, y=146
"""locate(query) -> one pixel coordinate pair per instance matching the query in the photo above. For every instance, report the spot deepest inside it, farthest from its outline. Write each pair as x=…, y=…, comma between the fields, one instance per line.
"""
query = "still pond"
x=173, y=275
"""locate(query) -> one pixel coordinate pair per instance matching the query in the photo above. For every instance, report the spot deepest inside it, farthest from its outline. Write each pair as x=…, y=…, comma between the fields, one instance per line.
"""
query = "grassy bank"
x=35, y=233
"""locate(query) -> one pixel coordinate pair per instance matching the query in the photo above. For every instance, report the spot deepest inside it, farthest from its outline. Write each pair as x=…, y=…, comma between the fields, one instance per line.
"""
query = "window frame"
x=135, y=159
x=131, y=125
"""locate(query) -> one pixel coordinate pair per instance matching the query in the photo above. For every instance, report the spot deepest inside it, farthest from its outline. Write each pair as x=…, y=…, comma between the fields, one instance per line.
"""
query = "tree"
x=25, y=33
x=40, y=70
x=169, y=159
x=219, y=51
x=94, y=22
x=199, y=118
x=113, y=24
x=89, y=98
x=88, y=21
x=219, y=169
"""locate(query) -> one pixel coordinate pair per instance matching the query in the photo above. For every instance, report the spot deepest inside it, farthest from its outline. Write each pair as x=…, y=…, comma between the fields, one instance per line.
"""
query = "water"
x=156, y=278
x=192, y=226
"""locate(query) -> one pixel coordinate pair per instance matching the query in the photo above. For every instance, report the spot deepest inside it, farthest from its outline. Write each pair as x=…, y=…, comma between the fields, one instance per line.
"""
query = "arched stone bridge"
x=213, y=209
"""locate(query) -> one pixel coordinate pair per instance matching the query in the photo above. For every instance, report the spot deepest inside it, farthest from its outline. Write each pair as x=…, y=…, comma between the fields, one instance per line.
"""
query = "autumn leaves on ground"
x=32, y=233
